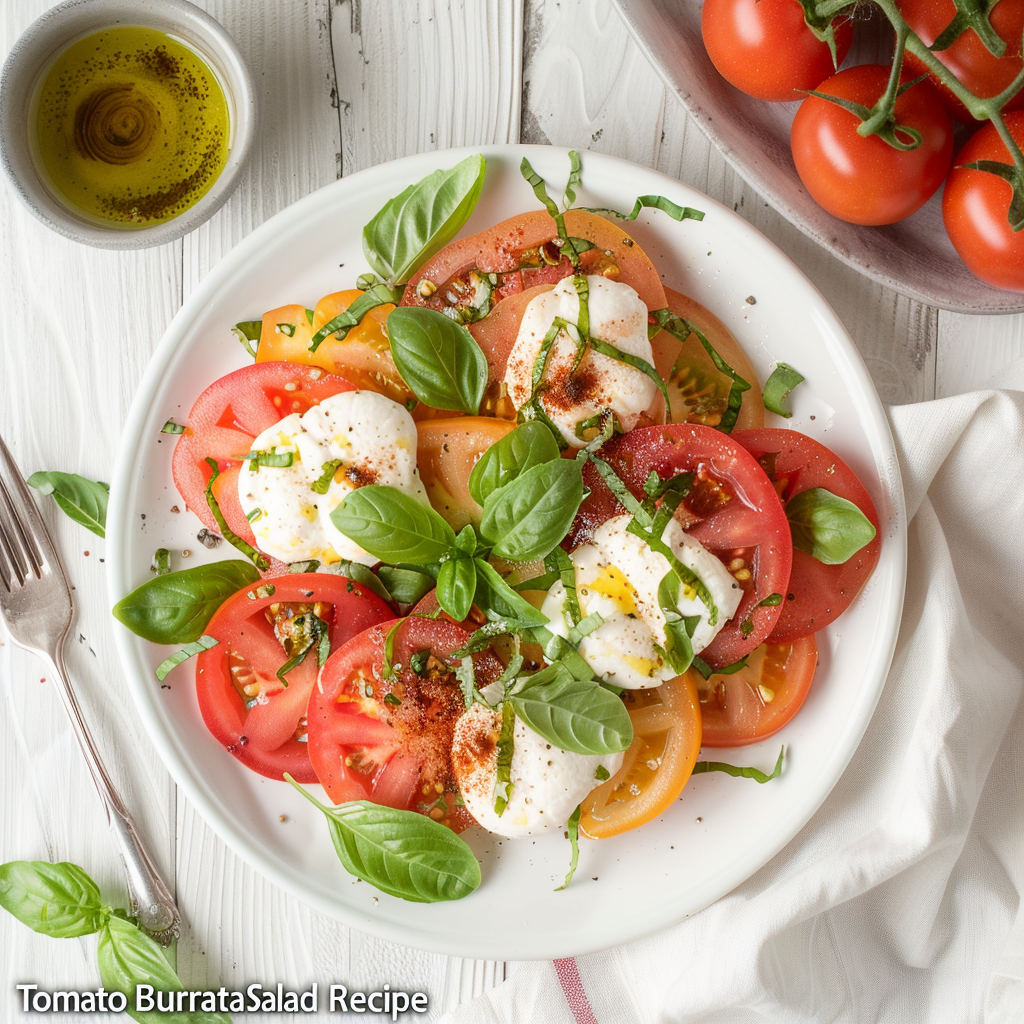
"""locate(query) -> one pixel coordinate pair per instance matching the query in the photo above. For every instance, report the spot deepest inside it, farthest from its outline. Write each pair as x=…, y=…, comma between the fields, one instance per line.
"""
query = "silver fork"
x=35, y=603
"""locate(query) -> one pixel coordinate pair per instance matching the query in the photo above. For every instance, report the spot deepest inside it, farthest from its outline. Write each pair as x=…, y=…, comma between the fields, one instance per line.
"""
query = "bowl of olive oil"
x=125, y=123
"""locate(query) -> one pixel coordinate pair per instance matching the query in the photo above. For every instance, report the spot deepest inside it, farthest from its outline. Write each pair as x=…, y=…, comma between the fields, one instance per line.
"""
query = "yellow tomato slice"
x=447, y=452
x=666, y=740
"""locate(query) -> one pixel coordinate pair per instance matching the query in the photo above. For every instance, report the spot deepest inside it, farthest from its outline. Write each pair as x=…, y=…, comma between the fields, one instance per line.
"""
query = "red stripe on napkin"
x=575, y=994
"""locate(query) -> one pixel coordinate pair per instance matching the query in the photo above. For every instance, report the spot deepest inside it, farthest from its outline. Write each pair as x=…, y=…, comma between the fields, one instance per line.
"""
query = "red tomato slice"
x=517, y=251
x=817, y=593
x=225, y=420
x=243, y=703
x=390, y=740
x=732, y=510
x=759, y=699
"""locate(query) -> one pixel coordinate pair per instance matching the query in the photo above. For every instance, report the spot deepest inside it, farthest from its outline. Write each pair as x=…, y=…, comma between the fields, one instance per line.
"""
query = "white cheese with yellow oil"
x=372, y=440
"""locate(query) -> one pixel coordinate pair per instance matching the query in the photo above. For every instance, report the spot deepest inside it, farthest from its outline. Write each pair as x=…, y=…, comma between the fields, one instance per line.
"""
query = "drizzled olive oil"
x=131, y=127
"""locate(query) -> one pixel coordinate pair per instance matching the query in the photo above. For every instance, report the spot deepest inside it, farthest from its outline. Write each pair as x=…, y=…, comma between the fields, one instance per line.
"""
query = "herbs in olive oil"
x=132, y=127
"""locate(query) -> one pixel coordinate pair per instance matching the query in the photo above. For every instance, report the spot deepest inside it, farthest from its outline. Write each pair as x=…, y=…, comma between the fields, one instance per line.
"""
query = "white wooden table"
x=342, y=85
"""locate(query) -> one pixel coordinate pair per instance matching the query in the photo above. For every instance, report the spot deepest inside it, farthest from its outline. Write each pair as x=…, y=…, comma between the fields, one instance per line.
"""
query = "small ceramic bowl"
x=69, y=21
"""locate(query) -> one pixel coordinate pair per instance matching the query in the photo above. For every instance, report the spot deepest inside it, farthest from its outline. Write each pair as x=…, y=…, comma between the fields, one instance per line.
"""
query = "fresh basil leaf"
x=466, y=676
x=779, y=384
x=456, y=585
x=248, y=332
x=438, y=358
x=741, y=772
x=402, y=853
x=573, y=835
x=204, y=643
x=339, y=326
x=529, y=445
x=175, y=607
x=679, y=629
x=128, y=958
x=406, y=585
x=84, y=501
x=529, y=516
x=826, y=526
x=574, y=714
x=393, y=526
x=466, y=540
x=500, y=601
x=59, y=900
x=422, y=219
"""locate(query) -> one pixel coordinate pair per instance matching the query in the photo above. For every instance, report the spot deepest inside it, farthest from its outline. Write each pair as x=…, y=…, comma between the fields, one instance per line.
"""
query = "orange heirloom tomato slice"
x=448, y=450
x=666, y=740
x=362, y=357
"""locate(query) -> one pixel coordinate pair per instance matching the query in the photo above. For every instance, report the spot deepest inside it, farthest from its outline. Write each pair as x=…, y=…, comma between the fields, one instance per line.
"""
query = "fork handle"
x=149, y=895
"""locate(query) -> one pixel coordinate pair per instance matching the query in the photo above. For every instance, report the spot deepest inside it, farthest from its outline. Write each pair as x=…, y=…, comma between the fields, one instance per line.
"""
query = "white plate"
x=722, y=829
x=913, y=257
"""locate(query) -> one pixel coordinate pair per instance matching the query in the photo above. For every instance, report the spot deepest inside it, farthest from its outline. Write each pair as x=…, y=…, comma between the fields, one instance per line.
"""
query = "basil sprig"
x=175, y=607
x=80, y=499
x=438, y=358
x=422, y=219
x=529, y=445
x=526, y=518
x=402, y=853
x=62, y=901
x=779, y=384
x=830, y=528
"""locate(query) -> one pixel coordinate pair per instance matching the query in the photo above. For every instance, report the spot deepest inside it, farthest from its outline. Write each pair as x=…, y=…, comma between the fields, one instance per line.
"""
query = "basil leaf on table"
x=128, y=958
x=84, y=501
x=826, y=526
x=456, y=585
x=529, y=516
x=529, y=445
x=174, y=608
x=420, y=220
x=402, y=853
x=575, y=714
x=59, y=900
x=438, y=358
x=393, y=526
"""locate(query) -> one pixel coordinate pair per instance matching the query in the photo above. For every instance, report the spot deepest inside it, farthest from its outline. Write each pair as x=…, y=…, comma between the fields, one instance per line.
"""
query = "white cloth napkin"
x=901, y=899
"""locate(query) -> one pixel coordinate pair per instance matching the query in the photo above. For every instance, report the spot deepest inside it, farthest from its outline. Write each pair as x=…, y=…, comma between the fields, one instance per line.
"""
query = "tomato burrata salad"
x=516, y=540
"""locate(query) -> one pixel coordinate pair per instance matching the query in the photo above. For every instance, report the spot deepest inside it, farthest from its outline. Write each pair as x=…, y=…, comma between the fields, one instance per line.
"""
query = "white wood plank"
x=973, y=349
x=419, y=75
x=618, y=105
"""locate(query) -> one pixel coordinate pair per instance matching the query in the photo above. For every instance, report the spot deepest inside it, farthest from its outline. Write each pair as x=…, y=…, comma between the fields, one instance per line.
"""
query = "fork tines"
x=23, y=543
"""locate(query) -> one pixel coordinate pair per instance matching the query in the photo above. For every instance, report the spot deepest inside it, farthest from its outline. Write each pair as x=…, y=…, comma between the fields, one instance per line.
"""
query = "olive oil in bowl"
x=132, y=127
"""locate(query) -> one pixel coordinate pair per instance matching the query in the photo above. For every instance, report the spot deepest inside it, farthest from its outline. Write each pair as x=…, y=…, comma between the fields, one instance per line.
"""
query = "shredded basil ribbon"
x=741, y=773
x=319, y=637
x=377, y=295
x=779, y=384
x=260, y=561
x=204, y=643
x=674, y=210
x=540, y=190
x=573, y=835
x=681, y=329
x=506, y=747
